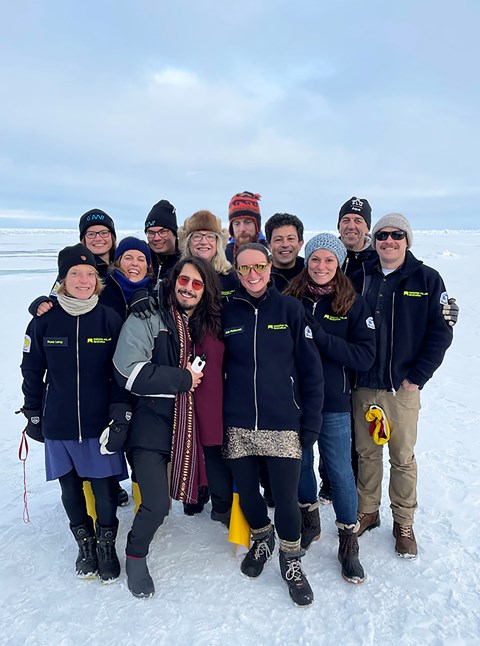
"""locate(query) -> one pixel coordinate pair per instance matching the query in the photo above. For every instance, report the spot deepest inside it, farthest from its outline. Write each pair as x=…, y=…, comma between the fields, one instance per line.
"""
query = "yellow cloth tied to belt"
x=379, y=426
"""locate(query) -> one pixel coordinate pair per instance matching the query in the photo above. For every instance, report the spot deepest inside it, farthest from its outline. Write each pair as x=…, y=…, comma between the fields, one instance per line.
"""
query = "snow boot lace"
x=298, y=586
x=260, y=552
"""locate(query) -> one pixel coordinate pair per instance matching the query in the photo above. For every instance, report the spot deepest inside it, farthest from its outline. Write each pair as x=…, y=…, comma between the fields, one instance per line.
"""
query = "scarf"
x=317, y=291
x=186, y=455
x=75, y=306
x=128, y=287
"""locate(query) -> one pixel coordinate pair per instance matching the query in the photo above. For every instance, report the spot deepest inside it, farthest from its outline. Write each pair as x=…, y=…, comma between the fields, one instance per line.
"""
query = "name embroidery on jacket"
x=55, y=342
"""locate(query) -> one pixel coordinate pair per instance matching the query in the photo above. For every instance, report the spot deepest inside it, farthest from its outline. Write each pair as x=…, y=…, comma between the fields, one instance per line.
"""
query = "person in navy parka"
x=71, y=399
x=273, y=397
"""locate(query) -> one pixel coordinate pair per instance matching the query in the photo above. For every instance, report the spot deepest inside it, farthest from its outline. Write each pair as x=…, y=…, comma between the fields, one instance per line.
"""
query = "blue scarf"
x=128, y=287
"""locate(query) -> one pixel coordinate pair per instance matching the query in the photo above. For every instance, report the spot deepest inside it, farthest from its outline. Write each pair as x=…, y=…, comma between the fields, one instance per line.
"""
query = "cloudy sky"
x=116, y=104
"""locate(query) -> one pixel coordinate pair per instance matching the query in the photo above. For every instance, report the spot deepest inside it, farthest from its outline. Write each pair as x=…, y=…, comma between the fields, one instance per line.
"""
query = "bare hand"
x=196, y=376
x=44, y=307
x=407, y=385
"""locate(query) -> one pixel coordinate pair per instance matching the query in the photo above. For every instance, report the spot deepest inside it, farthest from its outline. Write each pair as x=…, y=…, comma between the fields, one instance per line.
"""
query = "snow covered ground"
x=201, y=596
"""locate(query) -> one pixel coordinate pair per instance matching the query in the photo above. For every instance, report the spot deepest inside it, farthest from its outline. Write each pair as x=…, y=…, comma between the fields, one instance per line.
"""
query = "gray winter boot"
x=139, y=581
x=352, y=570
x=86, y=564
x=260, y=552
x=108, y=563
x=290, y=556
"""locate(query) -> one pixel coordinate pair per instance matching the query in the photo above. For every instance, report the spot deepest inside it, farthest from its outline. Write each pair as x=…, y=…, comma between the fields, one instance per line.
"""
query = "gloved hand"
x=312, y=322
x=34, y=424
x=308, y=438
x=143, y=304
x=114, y=435
x=450, y=312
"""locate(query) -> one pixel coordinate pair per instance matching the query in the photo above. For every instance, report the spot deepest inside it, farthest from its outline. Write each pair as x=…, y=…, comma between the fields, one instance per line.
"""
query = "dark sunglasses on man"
x=381, y=236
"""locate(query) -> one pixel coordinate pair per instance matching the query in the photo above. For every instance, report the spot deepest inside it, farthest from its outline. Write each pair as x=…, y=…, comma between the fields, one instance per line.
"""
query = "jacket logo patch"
x=277, y=326
x=370, y=323
x=308, y=332
x=35, y=420
x=334, y=318
x=415, y=294
x=55, y=342
x=240, y=329
x=444, y=298
x=98, y=339
x=27, y=343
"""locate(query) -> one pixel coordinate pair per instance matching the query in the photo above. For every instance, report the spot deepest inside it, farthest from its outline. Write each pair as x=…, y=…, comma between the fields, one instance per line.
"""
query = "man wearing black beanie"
x=161, y=231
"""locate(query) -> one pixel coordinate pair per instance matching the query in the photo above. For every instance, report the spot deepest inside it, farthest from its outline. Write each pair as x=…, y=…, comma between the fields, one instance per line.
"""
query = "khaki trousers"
x=402, y=411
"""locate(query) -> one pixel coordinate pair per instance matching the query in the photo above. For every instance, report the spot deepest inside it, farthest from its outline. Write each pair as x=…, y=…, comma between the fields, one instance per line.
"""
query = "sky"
x=118, y=104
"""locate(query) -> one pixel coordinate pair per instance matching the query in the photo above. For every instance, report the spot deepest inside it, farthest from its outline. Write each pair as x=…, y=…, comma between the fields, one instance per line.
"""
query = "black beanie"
x=93, y=217
x=358, y=205
x=71, y=256
x=162, y=214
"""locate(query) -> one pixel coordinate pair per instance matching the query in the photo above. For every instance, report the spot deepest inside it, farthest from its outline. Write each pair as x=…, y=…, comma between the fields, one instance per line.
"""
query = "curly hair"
x=207, y=314
x=344, y=292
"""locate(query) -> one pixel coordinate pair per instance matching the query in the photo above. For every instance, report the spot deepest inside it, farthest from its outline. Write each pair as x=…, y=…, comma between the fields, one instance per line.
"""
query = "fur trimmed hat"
x=329, y=242
x=130, y=243
x=202, y=221
x=71, y=256
x=162, y=214
x=95, y=217
x=244, y=205
x=396, y=220
x=357, y=205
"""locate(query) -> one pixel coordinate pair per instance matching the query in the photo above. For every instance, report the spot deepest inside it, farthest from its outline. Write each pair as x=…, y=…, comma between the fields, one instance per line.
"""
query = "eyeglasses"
x=197, y=237
x=259, y=267
x=183, y=281
x=162, y=233
x=381, y=236
x=91, y=235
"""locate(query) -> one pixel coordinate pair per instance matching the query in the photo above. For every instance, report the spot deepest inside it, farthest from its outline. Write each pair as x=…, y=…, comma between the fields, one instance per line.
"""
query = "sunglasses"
x=183, y=281
x=381, y=236
x=259, y=267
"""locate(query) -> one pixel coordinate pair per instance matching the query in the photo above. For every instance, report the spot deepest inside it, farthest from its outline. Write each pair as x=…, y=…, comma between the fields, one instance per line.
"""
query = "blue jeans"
x=335, y=445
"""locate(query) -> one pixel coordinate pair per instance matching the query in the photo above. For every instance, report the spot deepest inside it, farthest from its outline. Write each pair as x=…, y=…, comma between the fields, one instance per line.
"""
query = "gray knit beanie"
x=329, y=242
x=396, y=220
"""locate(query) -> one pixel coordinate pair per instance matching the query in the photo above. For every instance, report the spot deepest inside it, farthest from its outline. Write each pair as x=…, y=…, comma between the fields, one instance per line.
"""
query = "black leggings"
x=284, y=474
x=151, y=474
x=219, y=479
x=73, y=499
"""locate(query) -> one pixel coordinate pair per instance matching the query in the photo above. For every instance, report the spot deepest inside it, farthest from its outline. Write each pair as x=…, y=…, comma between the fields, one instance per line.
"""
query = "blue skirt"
x=61, y=456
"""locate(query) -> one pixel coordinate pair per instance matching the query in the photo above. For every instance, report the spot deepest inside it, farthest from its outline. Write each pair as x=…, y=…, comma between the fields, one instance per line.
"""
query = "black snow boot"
x=260, y=552
x=139, y=581
x=122, y=497
x=191, y=508
x=352, y=570
x=221, y=517
x=291, y=568
x=108, y=563
x=311, y=528
x=86, y=564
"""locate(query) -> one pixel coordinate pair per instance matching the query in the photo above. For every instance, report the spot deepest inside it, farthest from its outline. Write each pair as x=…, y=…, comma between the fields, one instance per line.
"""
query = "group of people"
x=216, y=359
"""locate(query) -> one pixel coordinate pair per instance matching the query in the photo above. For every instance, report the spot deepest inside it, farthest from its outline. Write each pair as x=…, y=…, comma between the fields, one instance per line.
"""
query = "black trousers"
x=73, y=499
x=220, y=481
x=151, y=474
x=284, y=474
